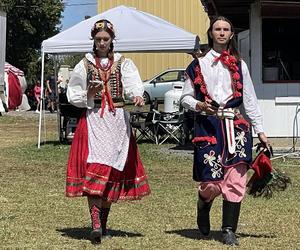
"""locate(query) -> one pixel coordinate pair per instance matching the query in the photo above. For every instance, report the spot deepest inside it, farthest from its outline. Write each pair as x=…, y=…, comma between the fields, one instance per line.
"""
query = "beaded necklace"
x=105, y=72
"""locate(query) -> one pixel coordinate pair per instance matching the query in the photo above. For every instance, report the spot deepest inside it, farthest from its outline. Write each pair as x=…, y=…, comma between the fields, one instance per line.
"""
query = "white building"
x=268, y=42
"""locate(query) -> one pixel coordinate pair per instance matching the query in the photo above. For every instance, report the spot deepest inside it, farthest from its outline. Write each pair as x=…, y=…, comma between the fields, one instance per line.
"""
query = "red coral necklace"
x=105, y=72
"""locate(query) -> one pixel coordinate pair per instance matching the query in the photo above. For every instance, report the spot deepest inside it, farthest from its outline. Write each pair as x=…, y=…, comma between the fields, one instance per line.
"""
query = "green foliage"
x=28, y=24
x=70, y=60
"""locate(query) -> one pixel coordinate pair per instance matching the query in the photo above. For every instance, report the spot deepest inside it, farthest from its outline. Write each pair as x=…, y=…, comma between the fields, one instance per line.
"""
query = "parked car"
x=157, y=86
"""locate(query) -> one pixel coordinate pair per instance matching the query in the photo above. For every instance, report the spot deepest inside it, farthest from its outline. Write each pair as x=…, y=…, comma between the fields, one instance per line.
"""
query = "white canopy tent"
x=136, y=31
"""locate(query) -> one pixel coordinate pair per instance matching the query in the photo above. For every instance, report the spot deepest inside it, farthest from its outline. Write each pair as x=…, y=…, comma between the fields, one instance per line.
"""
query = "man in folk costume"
x=104, y=162
x=217, y=84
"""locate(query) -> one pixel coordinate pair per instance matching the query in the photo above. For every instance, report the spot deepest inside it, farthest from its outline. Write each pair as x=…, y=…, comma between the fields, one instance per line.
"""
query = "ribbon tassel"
x=105, y=95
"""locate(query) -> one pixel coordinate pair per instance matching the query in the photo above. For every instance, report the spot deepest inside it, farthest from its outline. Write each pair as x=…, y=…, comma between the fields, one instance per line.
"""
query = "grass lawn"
x=35, y=214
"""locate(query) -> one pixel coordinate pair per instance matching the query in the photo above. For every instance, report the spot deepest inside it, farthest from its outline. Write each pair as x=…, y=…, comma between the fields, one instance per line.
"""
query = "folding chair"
x=170, y=127
x=143, y=125
x=68, y=116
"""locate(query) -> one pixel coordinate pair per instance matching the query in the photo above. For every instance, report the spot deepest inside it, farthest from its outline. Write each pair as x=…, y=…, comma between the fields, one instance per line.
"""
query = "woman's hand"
x=138, y=101
x=207, y=107
x=264, y=140
x=94, y=88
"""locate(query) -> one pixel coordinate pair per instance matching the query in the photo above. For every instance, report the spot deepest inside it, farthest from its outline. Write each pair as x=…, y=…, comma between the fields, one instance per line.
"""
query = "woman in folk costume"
x=217, y=84
x=104, y=162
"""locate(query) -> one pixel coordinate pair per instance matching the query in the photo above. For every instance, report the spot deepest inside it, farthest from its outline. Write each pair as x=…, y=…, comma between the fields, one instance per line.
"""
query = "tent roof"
x=135, y=31
x=8, y=67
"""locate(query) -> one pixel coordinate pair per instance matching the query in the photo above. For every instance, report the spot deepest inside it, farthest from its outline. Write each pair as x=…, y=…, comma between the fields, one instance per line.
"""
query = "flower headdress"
x=103, y=25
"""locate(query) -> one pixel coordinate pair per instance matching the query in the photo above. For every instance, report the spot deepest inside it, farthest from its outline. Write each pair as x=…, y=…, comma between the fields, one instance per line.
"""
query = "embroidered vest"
x=115, y=85
x=211, y=151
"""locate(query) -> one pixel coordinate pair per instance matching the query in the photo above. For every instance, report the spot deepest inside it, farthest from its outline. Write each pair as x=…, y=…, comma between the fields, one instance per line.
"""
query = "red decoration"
x=200, y=81
x=209, y=139
x=241, y=122
x=231, y=63
x=261, y=166
x=104, y=73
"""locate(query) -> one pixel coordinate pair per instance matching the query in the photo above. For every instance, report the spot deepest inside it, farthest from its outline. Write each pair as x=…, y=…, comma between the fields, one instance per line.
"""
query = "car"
x=156, y=87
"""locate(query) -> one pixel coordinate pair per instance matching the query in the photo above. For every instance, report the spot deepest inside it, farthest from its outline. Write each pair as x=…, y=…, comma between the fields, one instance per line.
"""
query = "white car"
x=156, y=87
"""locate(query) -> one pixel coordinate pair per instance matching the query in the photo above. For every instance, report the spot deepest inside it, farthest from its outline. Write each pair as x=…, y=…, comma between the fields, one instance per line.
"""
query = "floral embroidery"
x=240, y=139
x=215, y=163
x=241, y=153
x=210, y=158
x=209, y=139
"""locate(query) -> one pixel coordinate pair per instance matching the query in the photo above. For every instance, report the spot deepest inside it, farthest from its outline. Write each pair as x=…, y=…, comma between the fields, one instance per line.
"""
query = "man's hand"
x=138, y=101
x=264, y=140
x=207, y=107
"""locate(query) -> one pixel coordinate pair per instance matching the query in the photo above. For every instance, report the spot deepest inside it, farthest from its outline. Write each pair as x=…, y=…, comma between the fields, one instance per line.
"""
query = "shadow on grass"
x=55, y=143
x=195, y=234
x=188, y=146
x=84, y=233
x=145, y=141
x=242, y=235
x=214, y=235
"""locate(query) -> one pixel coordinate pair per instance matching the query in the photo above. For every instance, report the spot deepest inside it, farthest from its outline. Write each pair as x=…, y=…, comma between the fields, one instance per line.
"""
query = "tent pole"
x=57, y=95
x=42, y=98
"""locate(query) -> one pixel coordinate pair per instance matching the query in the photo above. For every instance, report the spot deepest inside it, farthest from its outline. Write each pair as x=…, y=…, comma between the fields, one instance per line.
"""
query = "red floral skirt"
x=101, y=180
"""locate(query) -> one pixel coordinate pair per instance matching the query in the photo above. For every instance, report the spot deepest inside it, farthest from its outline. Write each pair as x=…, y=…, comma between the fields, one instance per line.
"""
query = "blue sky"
x=76, y=10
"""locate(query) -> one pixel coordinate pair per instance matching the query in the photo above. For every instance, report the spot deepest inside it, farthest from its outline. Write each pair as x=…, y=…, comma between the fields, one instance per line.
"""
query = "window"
x=170, y=76
x=280, y=49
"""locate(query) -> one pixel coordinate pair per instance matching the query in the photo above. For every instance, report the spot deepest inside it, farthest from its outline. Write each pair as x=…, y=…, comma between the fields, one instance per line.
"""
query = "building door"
x=244, y=47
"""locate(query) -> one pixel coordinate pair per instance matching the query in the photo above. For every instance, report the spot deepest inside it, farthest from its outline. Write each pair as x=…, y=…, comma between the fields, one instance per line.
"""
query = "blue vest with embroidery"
x=212, y=156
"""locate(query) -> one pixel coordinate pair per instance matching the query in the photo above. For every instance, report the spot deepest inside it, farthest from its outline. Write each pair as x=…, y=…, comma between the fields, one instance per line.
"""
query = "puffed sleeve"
x=250, y=101
x=133, y=85
x=76, y=91
x=187, y=98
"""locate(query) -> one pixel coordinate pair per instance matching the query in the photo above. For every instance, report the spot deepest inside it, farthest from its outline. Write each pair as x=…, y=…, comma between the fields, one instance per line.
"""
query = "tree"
x=28, y=24
x=70, y=60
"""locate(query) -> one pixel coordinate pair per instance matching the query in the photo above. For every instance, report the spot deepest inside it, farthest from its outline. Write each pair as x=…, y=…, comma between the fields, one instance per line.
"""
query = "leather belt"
x=221, y=113
x=116, y=104
x=228, y=115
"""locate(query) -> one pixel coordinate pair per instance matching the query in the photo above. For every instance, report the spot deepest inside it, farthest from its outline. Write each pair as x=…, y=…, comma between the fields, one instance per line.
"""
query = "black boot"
x=203, y=209
x=231, y=212
x=104, y=212
x=96, y=232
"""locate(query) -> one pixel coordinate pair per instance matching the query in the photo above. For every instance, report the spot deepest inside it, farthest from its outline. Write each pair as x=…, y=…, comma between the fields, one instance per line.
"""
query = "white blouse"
x=108, y=137
x=218, y=82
